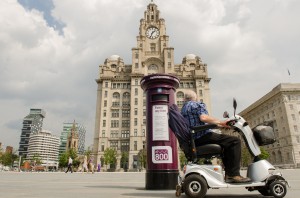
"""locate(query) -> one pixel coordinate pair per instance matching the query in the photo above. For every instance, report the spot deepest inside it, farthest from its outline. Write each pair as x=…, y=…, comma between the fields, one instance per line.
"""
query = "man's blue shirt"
x=191, y=111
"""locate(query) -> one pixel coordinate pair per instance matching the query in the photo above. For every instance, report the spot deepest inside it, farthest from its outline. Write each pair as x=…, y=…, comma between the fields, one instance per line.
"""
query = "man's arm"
x=212, y=120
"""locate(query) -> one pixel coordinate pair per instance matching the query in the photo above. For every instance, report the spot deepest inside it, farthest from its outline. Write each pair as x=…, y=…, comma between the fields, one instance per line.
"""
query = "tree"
x=264, y=153
x=246, y=157
x=110, y=157
x=142, y=157
x=7, y=159
x=182, y=159
x=63, y=159
x=36, y=158
x=124, y=160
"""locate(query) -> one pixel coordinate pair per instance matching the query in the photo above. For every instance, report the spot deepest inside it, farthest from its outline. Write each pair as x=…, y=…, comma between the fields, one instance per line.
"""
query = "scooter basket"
x=264, y=135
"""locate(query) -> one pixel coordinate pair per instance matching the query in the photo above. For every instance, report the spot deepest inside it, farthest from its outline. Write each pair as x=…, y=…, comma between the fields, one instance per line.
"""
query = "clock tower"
x=152, y=53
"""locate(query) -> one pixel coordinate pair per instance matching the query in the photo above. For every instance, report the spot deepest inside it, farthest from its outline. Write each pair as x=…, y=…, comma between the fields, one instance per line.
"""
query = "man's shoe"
x=237, y=179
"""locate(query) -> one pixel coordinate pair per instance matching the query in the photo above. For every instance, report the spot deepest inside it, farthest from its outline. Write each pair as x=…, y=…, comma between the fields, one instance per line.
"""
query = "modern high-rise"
x=121, y=107
x=45, y=146
x=81, y=131
x=281, y=106
x=32, y=123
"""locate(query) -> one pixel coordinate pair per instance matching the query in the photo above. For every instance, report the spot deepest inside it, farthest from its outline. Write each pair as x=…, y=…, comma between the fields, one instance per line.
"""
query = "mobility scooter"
x=198, y=178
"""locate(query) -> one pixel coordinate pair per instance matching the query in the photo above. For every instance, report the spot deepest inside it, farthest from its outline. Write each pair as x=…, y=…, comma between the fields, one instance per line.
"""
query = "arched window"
x=126, y=95
x=116, y=95
x=152, y=67
x=113, y=66
x=180, y=94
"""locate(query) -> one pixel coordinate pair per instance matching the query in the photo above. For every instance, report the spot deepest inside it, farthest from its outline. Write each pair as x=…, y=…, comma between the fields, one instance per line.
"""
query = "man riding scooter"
x=196, y=114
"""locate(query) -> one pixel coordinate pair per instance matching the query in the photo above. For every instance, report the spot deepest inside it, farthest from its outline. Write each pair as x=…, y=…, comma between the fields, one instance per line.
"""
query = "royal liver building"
x=121, y=106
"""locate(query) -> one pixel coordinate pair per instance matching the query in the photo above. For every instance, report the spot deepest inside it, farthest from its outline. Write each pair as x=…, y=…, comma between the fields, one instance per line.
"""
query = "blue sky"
x=50, y=52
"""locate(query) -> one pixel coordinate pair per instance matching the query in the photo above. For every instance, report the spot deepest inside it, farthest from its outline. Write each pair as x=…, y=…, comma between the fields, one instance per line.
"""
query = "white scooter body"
x=261, y=172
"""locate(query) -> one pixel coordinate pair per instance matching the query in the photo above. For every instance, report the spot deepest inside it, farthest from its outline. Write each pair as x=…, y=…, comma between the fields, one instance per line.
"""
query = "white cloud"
x=248, y=46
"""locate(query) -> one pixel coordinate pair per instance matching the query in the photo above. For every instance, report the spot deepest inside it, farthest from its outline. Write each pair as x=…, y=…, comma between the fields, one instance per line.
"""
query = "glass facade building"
x=64, y=137
x=32, y=124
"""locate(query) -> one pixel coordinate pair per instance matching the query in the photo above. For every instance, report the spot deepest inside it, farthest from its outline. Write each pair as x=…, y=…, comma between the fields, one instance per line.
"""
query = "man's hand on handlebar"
x=224, y=124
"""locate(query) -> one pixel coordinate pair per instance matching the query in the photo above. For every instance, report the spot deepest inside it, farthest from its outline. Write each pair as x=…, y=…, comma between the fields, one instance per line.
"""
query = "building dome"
x=190, y=56
x=114, y=58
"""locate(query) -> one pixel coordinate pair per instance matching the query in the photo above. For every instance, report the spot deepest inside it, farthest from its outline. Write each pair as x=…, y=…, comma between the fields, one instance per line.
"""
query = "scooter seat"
x=208, y=150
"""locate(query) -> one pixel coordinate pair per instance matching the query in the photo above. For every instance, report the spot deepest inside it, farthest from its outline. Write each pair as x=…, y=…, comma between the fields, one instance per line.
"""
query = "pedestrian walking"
x=85, y=164
x=70, y=162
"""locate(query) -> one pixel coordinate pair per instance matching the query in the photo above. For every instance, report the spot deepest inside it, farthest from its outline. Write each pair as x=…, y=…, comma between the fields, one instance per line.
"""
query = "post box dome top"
x=157, y=80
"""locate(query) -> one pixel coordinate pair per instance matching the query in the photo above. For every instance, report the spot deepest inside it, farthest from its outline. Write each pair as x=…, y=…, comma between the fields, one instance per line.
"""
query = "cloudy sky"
x=50, y=51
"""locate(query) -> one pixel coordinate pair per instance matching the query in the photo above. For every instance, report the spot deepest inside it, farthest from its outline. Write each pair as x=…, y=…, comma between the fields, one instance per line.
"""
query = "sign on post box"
x=162, y=158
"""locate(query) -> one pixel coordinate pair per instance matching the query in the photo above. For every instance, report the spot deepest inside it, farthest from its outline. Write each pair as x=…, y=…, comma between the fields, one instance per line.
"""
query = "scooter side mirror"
x=225, y=114
x=234, y=105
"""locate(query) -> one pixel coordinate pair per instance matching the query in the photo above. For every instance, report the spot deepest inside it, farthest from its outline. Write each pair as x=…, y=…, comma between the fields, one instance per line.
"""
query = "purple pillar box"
x=162, y=157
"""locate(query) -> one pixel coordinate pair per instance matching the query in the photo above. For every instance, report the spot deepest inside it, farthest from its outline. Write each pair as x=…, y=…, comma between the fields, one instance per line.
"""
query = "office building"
x=67, y=128
x=32, y=123
x=44, y=146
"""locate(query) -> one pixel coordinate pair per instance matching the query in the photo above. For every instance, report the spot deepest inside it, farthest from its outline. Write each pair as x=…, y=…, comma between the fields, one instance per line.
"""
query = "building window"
x=105, y=94
x=103, y=133
x=124, y=146
x=144, y=133
x=136, y=92
x=153, y=47
x=114, y=145
x=135, y=145
x=136, y=55
x=104, y=113
x=114, y=124
x=116, y=95
x=144, y=112
x=105, y=103
x=169, y=54
x=200, y=93
x=136, y=65
x=135, y=132
x=114, y=134
x=152, y=67
x=180, y=95
x=125, y=134
x=125, y=113
x=295, y=128
x=135, y=121
x=169, y=64
x=136, y=82
x=126, y=95
x=144, y=121
x=293, y=117
x=106, y=84
x=104, y=123
x=135, y=111
x=125, y=123
x=115, y=113
x=136, y=101
x=115, y=103
x=291, y=107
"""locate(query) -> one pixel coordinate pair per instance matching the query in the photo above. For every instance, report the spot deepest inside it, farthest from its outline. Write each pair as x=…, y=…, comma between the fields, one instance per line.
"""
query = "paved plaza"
x=106, y=185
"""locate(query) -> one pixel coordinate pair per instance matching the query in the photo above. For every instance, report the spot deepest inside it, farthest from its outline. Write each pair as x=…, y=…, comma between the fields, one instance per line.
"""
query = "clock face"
x=152, y=32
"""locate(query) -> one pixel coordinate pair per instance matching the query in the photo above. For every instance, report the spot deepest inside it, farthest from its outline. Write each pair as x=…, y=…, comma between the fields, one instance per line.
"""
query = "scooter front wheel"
x=278, y=189
x=195, y=186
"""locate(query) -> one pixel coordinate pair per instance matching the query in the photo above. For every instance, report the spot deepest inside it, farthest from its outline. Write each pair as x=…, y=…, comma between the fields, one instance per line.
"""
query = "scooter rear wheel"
x=195, y=186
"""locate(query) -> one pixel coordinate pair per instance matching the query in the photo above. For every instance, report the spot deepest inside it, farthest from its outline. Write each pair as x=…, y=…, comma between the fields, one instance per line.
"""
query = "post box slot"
x=160, y=97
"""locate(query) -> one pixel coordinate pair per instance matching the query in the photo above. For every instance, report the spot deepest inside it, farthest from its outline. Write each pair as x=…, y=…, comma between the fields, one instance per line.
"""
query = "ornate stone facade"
x=281, y=106
x=120, y=110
